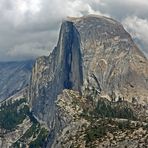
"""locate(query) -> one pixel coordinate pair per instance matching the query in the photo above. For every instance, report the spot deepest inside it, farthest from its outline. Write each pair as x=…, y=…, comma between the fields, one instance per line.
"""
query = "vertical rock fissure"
x=68, y=59
x=73, y=59
x=70, y=72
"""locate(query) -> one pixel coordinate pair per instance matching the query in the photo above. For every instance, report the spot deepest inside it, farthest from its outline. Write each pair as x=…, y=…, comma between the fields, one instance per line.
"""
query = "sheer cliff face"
x=61, y=70
x=92, y=53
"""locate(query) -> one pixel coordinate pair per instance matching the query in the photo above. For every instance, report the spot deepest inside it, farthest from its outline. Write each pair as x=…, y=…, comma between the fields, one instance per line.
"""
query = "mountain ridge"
x=105, y=53
x=14, y=76
x=94, y=56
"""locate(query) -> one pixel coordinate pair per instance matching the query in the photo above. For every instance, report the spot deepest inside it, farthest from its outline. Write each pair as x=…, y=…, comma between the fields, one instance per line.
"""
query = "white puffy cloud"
x=138, y=27
x=139, y=30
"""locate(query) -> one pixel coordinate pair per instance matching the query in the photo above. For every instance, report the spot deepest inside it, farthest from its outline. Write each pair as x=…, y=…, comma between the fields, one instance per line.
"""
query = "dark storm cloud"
x=29, y=28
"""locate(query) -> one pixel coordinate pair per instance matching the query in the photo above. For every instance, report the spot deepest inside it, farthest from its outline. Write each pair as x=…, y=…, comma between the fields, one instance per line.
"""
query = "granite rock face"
x=112, y=63
x=14, y=76
x=93, y=54
x=61, y=70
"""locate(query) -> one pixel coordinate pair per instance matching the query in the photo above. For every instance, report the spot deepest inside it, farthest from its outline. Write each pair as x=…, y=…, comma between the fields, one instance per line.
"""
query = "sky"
x=30, y=28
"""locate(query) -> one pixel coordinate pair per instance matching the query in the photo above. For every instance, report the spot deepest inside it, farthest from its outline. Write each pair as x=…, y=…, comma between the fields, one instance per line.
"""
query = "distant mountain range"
x=14, y=76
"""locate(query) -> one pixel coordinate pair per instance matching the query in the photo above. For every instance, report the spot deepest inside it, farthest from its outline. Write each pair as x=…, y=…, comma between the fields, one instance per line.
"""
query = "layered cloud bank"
x=29, y=28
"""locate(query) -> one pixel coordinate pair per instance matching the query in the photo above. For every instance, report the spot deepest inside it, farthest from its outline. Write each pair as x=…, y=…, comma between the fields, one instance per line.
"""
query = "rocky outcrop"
x=18, y=126
x=84, y=129
x=14, y=76
x=7, y=139
x=94, y=55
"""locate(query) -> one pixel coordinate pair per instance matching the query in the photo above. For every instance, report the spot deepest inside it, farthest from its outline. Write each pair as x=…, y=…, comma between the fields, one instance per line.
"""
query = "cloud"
x=29, y=28
x=139, y=30
x=121, y=9
x=27, y=51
